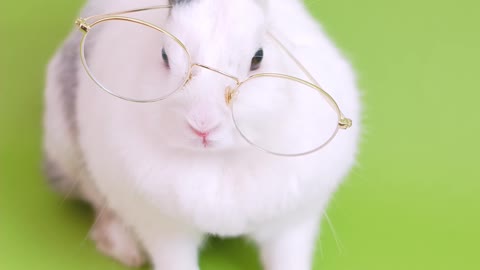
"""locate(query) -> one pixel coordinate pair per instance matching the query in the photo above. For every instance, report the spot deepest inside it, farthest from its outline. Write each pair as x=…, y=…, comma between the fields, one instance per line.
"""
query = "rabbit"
x=162, y=176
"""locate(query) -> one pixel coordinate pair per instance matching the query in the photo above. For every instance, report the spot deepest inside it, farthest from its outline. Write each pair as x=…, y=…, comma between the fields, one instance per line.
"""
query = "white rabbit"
x=157, y=188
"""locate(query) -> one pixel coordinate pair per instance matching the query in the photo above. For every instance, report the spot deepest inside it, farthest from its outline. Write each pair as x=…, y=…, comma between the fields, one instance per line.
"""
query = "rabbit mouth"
x=213, y=142
x=206, y=143
x=205, y=138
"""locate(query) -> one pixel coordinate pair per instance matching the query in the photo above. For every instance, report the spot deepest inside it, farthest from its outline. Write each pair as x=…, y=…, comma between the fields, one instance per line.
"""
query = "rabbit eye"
x=257, y=60
x=165, y=57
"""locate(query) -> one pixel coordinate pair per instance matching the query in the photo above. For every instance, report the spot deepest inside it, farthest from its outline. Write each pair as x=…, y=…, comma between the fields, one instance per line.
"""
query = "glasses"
x=276, y=113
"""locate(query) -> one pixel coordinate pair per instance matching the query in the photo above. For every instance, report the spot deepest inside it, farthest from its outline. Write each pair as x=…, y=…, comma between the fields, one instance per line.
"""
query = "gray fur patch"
x=178, y=2
x=68, y=80
x=57, y=179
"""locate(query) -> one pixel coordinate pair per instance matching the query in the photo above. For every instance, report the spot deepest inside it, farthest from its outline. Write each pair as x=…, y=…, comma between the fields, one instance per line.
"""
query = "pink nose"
x=200, y=133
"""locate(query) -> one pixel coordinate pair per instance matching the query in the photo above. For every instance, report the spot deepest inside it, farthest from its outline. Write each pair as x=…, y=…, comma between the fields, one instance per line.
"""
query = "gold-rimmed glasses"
x=277, y=113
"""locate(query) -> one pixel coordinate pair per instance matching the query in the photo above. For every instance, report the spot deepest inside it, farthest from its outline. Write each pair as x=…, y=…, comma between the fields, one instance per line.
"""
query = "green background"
x=412, y=203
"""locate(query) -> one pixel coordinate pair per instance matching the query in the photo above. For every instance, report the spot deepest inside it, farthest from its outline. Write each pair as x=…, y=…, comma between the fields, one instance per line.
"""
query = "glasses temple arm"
x=297, y=62
x=127, y=11
x=344, y=122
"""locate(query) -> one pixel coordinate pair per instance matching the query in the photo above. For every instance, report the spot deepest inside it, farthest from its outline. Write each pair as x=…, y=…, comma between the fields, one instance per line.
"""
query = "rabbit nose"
x=202, y=127
x=201, y=132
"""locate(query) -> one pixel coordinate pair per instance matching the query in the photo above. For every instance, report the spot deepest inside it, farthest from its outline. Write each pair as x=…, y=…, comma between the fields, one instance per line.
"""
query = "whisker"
x=99, y=214
x=75, y=183
x=334, y=233
x=73, y=186
x=320, y=248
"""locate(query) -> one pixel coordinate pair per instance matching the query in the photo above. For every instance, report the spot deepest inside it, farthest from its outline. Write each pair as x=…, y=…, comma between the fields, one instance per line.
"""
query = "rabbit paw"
x=114, y=239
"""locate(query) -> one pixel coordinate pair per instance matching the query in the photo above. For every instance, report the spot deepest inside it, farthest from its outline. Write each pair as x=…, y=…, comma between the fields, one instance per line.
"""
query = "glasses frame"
x=230, y=93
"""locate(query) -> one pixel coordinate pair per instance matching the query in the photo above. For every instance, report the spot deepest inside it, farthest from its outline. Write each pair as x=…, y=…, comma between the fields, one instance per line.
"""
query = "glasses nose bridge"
x=237, y=81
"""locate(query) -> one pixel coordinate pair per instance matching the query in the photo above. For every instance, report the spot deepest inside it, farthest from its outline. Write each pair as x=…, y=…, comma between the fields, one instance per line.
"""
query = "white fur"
x=159, y=179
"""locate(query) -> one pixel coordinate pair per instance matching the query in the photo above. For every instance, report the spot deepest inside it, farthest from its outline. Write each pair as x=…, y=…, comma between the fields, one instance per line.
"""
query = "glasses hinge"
x=229, y=95
x=82, y=25
x=345, y=123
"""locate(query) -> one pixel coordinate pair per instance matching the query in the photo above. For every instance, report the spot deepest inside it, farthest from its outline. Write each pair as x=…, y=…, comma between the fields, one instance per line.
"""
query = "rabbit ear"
x=176, y=2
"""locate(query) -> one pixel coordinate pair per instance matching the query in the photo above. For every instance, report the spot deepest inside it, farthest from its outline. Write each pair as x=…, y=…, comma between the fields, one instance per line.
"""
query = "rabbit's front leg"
x=288, y=246
x=114, y=239
x=170, y=247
